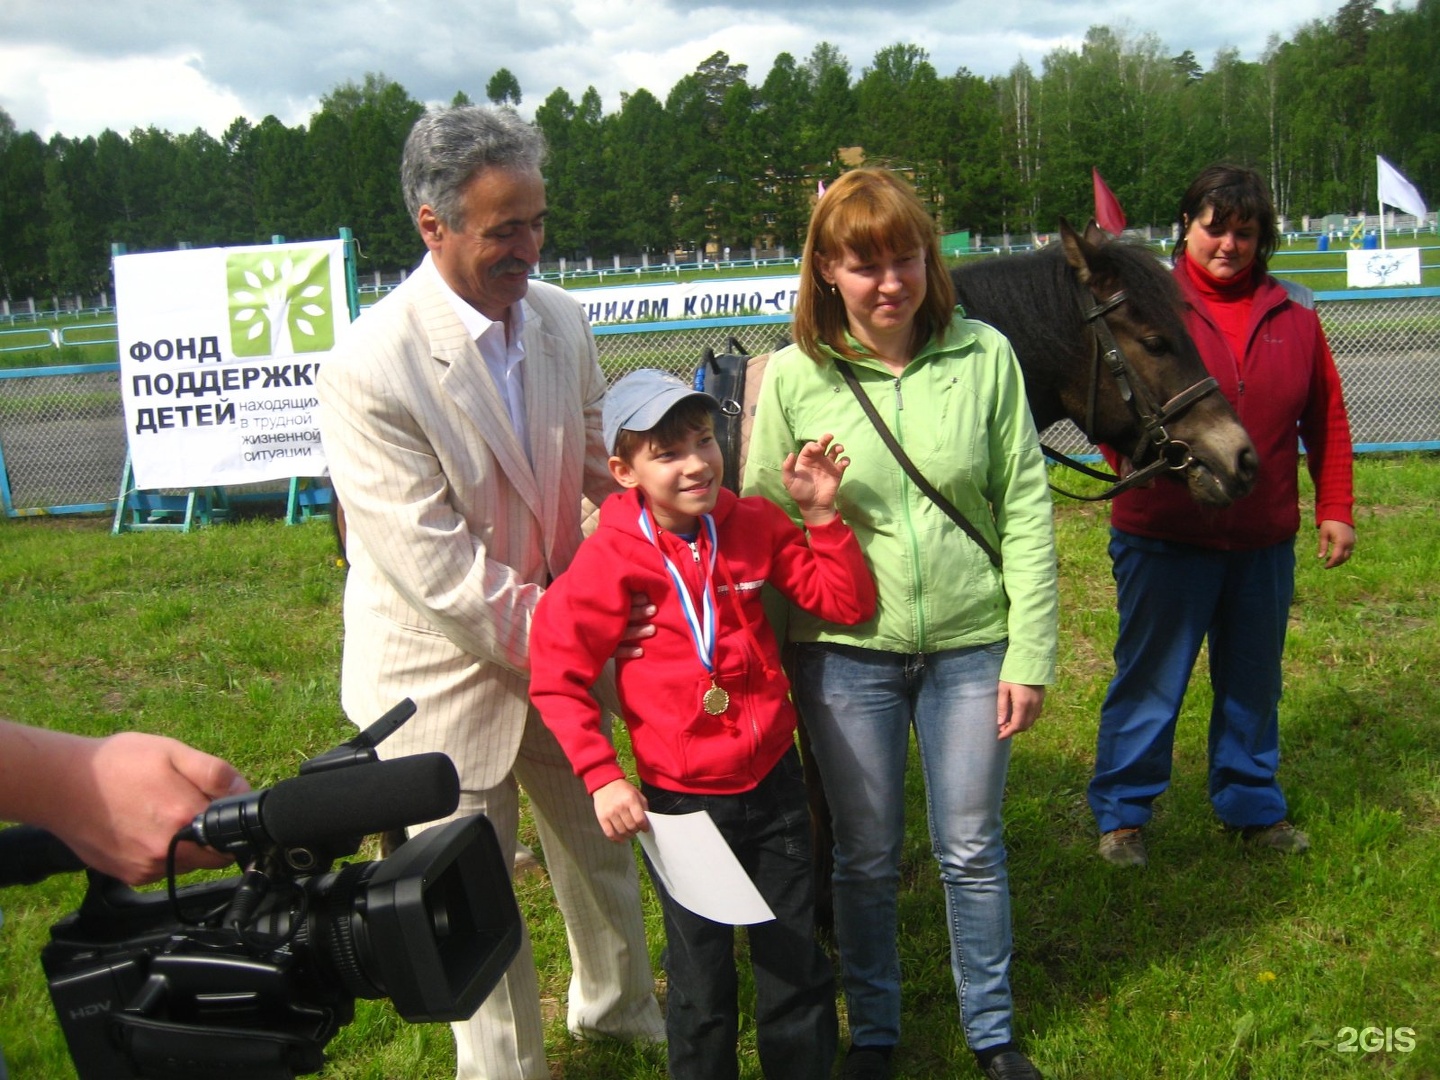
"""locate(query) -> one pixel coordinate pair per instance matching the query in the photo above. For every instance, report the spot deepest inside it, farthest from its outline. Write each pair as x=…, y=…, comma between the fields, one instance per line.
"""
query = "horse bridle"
x=1171, y=454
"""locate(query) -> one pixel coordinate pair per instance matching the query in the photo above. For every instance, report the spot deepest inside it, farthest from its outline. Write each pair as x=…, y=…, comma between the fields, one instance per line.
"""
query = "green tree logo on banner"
x=280, y=306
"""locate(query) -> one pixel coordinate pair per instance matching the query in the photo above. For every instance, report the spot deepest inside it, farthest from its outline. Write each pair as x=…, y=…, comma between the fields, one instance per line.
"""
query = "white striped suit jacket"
x=452, y=531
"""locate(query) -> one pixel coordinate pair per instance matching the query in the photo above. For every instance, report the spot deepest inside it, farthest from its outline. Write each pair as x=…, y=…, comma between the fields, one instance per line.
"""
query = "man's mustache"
x=510, y=266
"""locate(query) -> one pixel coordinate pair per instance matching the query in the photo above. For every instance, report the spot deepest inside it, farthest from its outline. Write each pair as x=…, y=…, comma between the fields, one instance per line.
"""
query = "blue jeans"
x=859, y=706
x=796, y=1029
x=1172, y=598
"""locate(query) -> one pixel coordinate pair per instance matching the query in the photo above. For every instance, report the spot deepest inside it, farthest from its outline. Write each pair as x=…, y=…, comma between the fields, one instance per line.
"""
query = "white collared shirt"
x=502, y=355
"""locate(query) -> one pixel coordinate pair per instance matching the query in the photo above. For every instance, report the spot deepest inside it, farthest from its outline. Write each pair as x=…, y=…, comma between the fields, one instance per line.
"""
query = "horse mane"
x=1030, y=298
x=1025, y=297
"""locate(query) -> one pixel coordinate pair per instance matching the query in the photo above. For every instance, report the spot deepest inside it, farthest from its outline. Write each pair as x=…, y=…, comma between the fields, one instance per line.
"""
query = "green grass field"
x=1213, y=963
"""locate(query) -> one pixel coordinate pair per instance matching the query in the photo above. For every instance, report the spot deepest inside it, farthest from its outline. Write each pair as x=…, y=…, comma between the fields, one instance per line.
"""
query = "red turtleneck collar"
x=1225, y=290
x=1227, y=302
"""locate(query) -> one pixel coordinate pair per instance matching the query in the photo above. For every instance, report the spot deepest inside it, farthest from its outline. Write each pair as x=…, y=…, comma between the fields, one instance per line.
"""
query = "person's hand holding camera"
x=117, y=801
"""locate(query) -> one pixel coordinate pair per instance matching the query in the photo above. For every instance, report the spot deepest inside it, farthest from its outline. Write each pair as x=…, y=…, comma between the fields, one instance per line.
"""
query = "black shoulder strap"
x=723, y=378
x=909, y=466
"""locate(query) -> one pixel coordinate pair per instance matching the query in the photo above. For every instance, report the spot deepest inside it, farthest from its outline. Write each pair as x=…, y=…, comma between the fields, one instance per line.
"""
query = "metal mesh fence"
x=1388, y=353
x=62, y=438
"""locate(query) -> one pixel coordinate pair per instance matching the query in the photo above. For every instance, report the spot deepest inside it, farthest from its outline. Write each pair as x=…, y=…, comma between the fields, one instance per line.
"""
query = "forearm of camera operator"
x=117, y=801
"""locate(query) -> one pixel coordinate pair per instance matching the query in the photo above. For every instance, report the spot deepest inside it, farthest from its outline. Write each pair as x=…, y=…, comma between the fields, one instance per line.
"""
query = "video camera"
x=252, y=975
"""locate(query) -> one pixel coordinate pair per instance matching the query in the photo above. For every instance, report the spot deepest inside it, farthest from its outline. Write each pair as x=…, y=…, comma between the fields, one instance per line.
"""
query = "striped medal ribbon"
x=700, y=623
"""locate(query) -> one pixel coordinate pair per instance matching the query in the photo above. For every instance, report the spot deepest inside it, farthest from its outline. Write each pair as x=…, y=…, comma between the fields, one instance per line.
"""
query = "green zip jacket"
x=959, y=411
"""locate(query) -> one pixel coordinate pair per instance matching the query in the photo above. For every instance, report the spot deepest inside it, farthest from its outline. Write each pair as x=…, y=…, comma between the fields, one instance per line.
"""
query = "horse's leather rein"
x=1171, y=455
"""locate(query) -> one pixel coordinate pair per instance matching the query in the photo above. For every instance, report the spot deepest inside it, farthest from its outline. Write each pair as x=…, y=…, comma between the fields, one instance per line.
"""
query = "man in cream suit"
x=461, y=420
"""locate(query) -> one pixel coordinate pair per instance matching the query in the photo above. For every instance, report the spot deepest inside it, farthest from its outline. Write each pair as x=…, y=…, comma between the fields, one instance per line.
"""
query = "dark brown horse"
x=1099, y=330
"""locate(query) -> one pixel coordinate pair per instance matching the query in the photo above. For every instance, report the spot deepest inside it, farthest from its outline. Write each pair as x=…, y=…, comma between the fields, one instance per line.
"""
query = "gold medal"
x=716, y=700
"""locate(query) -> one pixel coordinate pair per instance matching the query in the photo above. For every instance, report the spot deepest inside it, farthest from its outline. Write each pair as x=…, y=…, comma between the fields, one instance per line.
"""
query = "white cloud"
x=56, y=91
x=72, y=67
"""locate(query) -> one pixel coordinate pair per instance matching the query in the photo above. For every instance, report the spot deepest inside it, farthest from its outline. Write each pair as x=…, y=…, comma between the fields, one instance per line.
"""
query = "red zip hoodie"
x=678, y=745
x=1284, y=387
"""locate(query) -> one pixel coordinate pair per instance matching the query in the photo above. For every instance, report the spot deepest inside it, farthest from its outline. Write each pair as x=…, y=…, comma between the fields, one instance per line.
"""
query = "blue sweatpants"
x=1171, y=598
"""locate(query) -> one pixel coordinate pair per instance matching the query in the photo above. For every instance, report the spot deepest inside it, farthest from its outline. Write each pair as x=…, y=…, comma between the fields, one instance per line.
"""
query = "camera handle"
x=266, y=1046
x=361, y=749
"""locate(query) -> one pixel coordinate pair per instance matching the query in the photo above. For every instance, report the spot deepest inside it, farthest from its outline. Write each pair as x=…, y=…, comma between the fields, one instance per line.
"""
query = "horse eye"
x=1155, y=346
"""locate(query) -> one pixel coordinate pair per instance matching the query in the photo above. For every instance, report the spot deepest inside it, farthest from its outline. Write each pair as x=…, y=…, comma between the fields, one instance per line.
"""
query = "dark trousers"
x=768, y=828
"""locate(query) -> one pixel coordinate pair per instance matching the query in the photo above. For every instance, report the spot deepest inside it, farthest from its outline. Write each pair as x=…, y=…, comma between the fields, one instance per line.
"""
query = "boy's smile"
x=680, y=479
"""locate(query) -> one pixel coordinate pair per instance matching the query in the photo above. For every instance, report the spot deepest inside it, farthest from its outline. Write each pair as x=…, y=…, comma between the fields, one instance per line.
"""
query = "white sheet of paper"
x=700, y=871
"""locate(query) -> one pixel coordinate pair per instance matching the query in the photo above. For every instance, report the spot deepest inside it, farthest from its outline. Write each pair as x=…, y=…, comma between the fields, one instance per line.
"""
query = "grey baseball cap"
x=641, y=399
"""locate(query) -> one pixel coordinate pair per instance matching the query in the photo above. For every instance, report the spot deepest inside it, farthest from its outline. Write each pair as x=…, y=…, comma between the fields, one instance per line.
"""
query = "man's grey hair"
x=447, y=148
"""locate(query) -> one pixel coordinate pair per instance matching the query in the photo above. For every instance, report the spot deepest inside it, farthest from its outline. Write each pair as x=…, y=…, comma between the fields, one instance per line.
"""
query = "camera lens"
x=338, y=928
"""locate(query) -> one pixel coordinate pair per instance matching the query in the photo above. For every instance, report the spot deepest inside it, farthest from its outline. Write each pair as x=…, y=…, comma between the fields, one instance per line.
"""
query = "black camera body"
x=250, y=976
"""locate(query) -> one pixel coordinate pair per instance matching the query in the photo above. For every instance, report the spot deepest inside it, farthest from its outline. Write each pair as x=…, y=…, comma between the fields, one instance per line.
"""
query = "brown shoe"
x=1282, y=837
x=1123, y=847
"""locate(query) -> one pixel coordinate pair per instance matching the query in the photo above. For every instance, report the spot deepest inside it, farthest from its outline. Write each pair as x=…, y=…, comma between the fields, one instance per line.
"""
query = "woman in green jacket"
x=960, y=649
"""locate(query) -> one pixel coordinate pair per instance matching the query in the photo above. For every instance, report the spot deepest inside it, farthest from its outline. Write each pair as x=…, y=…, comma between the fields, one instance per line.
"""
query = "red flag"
x=1108, y=214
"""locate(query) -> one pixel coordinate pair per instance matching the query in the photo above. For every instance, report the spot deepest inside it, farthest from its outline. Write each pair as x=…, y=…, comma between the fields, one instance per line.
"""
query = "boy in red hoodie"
x=707, y=705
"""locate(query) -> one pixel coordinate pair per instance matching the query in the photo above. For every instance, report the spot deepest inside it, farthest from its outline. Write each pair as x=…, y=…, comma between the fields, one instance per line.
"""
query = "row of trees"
x=725, y=161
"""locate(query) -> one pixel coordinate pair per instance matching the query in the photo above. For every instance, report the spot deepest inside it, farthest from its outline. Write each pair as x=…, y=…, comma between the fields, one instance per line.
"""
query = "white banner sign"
x=1392, y=267
x=723, y=299
x=219, y=349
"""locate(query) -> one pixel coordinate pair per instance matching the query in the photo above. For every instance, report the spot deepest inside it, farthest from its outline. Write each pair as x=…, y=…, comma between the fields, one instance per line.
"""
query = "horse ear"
x=1077, y=250
x=1096, y=235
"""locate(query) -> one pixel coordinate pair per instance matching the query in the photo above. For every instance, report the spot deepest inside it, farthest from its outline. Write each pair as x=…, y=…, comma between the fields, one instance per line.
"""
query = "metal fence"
x=62, y=436
x=1387, y=347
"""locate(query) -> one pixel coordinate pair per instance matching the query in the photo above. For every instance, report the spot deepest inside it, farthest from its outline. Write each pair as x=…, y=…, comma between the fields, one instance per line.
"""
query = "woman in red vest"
x=1186, y=575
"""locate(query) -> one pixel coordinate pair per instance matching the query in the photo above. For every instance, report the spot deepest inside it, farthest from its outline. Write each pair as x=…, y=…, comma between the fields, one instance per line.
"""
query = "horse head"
x=1099, y=330
x=1154, y=401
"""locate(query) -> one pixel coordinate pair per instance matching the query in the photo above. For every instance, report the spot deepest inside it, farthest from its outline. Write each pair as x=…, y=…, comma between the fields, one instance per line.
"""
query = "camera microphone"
x=332, y=806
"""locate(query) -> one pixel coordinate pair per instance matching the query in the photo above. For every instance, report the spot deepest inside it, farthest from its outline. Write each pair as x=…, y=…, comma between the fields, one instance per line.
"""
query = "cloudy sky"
x=77, y=67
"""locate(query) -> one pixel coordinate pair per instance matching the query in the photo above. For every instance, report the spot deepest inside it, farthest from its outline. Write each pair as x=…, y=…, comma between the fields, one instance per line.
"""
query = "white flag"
x=1396, y=191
